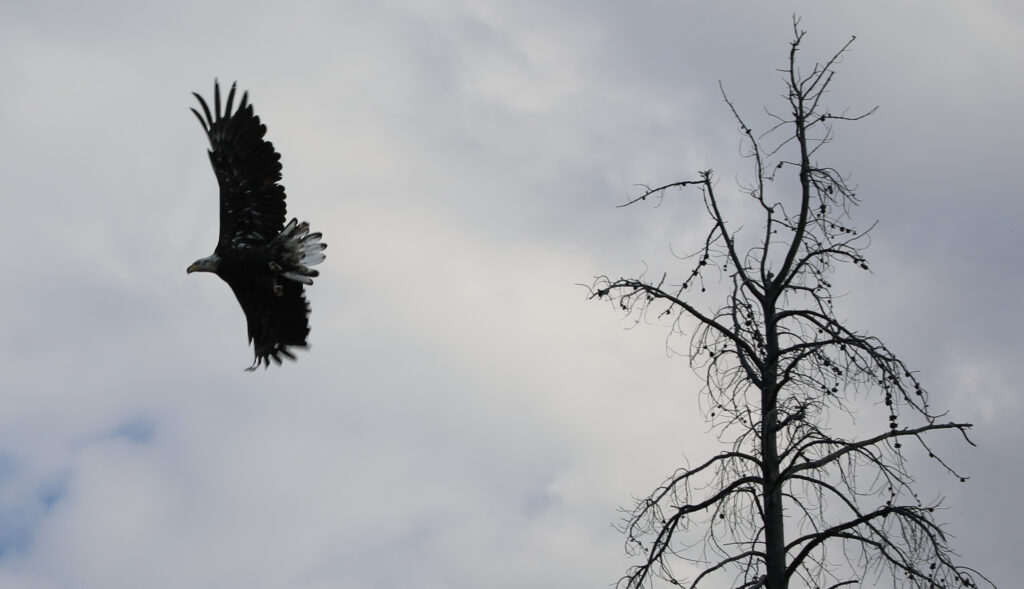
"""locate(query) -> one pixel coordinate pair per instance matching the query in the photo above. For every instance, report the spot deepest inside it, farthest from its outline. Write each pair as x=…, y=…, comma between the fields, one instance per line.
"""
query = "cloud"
x=464, y=414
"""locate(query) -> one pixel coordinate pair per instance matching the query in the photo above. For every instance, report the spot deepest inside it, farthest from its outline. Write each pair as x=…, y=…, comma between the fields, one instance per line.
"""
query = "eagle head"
x=207, y=264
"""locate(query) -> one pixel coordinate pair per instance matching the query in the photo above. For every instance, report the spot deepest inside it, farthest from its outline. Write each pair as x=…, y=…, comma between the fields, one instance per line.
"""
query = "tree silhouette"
x=791, y=501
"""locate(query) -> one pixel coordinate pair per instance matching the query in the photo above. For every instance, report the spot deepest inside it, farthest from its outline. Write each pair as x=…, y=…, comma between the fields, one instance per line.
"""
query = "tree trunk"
x=774, y=532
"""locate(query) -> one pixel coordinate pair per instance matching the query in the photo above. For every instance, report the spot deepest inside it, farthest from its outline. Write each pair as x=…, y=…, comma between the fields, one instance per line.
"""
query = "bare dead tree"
x=791, y=502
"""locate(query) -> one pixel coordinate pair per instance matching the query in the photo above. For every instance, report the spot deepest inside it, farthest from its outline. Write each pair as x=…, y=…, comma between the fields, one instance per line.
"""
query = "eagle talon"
x=274, y=266
x=278, y=289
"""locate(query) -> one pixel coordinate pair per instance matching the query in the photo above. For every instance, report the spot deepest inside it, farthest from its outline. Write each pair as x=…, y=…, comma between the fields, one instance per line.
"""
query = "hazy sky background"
x=465, y=417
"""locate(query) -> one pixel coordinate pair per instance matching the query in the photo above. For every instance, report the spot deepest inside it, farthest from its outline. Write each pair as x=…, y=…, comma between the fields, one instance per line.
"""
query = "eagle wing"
x=252, y=207
x=275, y=321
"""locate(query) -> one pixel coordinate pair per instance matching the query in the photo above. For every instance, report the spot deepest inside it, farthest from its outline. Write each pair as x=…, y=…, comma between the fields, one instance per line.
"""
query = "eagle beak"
x=192, y=268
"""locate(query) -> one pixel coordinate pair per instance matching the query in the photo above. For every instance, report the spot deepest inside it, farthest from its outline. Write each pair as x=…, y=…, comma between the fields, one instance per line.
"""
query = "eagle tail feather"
x=300, y=250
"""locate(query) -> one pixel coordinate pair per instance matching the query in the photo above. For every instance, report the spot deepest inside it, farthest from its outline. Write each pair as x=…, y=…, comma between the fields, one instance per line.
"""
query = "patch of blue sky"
x=22, y=512
x=537, y=504
x=138, y=431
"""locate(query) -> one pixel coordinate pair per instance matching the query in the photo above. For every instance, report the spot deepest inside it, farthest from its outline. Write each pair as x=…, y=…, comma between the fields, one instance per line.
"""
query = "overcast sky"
x=464, y=417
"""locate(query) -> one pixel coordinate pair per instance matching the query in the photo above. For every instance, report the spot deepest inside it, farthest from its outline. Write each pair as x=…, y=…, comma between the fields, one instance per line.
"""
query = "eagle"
x=265, y=261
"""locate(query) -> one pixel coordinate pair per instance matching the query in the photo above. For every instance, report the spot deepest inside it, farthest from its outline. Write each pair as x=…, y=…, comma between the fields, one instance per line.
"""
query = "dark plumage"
x=265, y=262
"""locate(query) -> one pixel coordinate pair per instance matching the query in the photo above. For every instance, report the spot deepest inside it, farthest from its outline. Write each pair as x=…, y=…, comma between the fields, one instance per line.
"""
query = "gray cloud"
x=464, y=414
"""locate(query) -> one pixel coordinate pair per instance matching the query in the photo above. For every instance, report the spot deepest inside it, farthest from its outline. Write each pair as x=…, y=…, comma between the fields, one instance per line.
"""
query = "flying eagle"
x=265, y=262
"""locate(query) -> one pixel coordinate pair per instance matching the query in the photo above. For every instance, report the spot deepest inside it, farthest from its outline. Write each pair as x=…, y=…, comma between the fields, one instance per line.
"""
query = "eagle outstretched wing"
x=252, y=203
x=265, y=262
x=275, y=322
